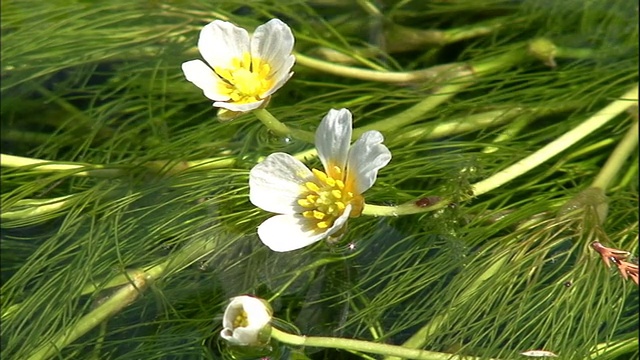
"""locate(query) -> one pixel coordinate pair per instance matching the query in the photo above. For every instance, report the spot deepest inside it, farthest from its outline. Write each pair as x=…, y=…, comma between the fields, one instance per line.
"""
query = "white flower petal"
x=221, y=41
x=203, y=77
x=333, y=137
x=272, y=43
x=245, y=336
x=366, y=157
x=238, y=107
x=227, y=334
x=284, y=233
x=275, y=183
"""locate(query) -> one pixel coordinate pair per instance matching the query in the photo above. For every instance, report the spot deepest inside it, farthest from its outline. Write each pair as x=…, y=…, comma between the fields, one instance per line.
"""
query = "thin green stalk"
x=364, y=346
x=617, y=159
x=280, y=128
x=560, y=144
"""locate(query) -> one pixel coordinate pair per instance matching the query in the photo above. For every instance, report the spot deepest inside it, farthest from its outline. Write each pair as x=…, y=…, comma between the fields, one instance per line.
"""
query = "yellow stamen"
x=313, y=187
x=326, y=198
x=318, y=215
x=245, y=80
x=305, y=203
x=241, y=320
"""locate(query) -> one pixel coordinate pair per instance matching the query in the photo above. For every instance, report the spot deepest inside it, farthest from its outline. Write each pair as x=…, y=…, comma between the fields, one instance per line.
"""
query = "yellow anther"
x=312, y=186
x=305, y=203
x=340, y=184
x=312, y=198
x=322, y=224
x=320, y=175
x=340, y=205
x=330, y=181
x=318, y=214
x=308, y=214
x=336, y=194
x=241, y=320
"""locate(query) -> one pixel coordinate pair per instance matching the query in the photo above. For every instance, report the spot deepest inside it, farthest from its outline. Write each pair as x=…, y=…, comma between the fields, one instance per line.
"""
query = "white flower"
x=313, y=204
x=244, y=321
x=246, y=70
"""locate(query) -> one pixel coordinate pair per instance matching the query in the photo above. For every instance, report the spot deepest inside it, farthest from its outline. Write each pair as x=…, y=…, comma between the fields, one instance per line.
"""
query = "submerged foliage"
x=136, y=255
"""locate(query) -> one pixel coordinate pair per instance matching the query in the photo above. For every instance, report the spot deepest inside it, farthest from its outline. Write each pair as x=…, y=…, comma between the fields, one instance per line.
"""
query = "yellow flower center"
x=327, y=198
x=246, y=80
x=241, y=320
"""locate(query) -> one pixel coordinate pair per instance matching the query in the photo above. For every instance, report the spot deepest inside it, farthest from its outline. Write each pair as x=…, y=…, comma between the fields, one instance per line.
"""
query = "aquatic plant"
x=126, y=216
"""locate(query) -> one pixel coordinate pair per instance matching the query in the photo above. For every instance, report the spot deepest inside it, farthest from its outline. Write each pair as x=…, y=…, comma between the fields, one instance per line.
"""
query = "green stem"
x=37, y=207
x=458, y=79
x=617, y=159
x=460, y=125
x=124, y=297
x=374, y=75
x=402, y=38
x=83, y=169
x=408, y=208
x=615, y=350
x=364, y=346
x=418, y=339
x=75, y=169
x=510, y=132
x=110, y=307
x=560, y=144
x=408, y=116
x=280, y=128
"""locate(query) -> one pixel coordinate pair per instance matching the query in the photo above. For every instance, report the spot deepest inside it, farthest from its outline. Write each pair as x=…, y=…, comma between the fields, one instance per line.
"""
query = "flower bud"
x=246, y=321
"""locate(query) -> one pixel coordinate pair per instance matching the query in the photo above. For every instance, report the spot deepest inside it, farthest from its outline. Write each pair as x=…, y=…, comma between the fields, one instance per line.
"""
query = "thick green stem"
x=418, y=339
x=280, y=128
x=374, y=75
x=459, y=125
x=83, y=170
x=75, y=169
x=459, y=78
x=617, y=158
x=615, y=350
x=560, y=144
x=408, y=208
x=363, y=346
x=124, y=296
x=37, y=207
x=115, y=303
